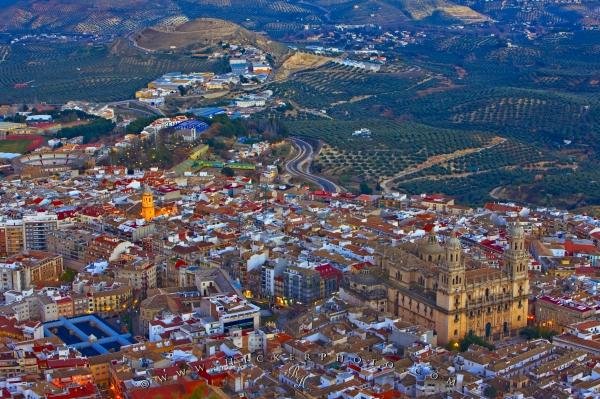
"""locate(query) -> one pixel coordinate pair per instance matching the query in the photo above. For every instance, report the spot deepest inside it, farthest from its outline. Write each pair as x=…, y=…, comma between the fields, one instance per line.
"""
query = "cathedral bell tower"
x=516, y=262
x=515, y=257
x=147, y=204
x=451, y=279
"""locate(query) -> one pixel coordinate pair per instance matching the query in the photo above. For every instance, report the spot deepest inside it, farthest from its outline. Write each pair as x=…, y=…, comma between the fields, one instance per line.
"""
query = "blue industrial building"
x=207, y=112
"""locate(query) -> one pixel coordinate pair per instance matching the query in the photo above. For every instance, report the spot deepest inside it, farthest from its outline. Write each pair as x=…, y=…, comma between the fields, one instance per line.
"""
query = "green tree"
x=139, y=124
x=227, y=171
x=490, y=391
x=537, y=332
x=365, y=188
x=470, y=339
x=216, y=144
x=68, y=275
x=91, y=132
x=182, y=90
x=223, y=126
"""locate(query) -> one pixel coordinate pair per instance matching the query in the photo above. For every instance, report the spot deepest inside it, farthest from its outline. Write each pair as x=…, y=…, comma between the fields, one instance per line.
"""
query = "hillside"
x=298, y=62
x=71, y=71
x=421, y=9
x=279, y=19
x=203, y=33
x=83, y=16
x=395, y=12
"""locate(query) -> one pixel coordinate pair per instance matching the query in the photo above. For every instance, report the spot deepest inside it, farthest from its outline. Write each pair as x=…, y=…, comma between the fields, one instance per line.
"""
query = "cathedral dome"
x=430, y=246
x=516, y=231
x=453, y=243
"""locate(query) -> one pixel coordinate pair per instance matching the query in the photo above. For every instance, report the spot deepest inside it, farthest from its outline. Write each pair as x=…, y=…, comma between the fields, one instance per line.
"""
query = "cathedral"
x=430, y=284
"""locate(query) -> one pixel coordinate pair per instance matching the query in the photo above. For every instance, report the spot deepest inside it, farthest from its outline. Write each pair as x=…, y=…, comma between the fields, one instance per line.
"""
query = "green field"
x=59, y=72
x=14, y=146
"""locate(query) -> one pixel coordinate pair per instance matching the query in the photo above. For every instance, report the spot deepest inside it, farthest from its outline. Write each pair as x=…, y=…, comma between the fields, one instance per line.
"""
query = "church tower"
x=451, y=279
x=147, y=204
x=515, y=257
x=516, y=262
x=451, y=296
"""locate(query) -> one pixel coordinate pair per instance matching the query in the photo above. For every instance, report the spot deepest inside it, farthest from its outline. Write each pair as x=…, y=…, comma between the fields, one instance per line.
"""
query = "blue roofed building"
x=89, y=334
x=191, y=130
x=207, y=112
x=238, y=66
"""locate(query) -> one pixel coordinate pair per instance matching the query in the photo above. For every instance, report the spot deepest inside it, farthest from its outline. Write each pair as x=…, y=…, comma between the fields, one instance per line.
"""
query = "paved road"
x=299, y=166
x=140, y=106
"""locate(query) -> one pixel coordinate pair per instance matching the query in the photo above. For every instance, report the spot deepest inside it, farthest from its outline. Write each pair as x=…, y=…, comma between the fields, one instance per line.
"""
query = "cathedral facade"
x=429, y=284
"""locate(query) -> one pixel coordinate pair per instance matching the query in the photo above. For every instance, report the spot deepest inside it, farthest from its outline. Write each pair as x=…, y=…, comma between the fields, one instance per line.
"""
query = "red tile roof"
x=495, y=207
x=327, y=271
x=181, y=388
x=64, y=363
x=573, y=248
x=75, y=392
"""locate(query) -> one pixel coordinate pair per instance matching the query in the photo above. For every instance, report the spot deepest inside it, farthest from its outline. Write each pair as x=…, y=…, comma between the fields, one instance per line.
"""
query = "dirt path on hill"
x=387, y=184
x=299, y=108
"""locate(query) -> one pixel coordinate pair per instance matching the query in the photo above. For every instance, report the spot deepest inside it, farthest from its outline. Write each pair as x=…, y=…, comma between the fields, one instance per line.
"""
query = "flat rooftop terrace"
x=89, y=334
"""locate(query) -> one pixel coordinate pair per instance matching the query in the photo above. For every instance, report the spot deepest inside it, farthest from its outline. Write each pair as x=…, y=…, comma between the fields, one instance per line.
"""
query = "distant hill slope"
x=84, y=16
x=298, y=62
x=393, y=12
x=202, y=33
x=278, y=18
x=421, y=9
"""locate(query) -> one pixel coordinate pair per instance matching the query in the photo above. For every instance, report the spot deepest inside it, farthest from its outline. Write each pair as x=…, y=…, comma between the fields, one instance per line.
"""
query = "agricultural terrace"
x=104, y=18
x=277, y=18
x=531, y=115
x=437, y=127
x=392, y=147
x=67, y=71
x=338, y=89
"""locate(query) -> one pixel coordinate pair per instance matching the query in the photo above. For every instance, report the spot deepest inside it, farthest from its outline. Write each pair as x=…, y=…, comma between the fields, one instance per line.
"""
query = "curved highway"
x=299, y=166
